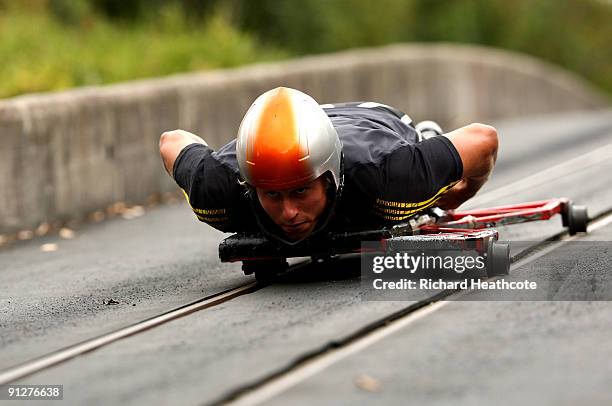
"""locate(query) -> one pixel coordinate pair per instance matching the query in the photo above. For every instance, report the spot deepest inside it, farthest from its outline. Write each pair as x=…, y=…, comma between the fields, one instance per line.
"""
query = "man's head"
x=298, y=210
x=285, y=144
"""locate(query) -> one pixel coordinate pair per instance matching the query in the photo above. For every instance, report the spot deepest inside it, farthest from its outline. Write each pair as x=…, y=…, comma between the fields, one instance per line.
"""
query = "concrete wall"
x=66, y=154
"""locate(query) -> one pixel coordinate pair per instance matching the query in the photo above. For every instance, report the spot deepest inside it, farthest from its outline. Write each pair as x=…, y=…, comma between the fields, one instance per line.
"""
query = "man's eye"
x=272, y=195
x=301, y=190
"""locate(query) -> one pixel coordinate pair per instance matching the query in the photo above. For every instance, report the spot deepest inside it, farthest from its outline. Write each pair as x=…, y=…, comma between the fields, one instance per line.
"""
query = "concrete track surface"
x=311, y=338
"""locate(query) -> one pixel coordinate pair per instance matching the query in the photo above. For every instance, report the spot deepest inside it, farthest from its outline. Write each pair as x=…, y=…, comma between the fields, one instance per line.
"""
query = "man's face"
x=297, y=210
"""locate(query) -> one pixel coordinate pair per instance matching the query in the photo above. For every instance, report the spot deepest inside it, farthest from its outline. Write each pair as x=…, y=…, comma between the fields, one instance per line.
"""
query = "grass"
x=39, y=53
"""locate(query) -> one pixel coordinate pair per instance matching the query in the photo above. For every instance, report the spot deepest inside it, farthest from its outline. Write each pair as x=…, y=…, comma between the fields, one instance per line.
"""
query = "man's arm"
x=171, y=143
x=477, y=146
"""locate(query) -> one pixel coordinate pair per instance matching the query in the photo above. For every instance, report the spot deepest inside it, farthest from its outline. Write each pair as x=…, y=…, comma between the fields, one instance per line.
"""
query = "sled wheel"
x=498, y=259
x=577, y=219
x=565, y=212
x=265, y=276
x=265, y=270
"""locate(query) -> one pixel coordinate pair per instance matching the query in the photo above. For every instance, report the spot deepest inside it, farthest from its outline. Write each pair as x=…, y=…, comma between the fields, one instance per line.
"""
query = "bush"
x=54, y=44
x=41, y=51
x=572, y=33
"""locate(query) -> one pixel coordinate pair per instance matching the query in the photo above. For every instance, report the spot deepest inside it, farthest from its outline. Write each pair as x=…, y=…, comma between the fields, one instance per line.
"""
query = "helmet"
x=286, y=140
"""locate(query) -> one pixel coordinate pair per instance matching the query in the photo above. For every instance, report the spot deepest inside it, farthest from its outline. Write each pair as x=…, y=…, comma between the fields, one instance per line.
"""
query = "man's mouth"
x=296, y=228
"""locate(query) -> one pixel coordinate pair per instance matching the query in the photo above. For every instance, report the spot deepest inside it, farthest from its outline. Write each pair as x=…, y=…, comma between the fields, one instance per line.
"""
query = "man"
x=297, y=168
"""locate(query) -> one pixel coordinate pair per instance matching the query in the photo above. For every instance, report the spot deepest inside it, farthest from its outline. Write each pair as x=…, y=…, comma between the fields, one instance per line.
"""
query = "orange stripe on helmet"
x=275, y=155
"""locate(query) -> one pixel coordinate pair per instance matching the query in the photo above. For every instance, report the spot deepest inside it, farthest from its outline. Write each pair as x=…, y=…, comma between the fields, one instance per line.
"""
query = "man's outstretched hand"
x=457, y=195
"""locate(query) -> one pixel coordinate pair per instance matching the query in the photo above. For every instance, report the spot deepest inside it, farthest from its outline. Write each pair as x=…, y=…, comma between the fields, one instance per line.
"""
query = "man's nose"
x=290, y=210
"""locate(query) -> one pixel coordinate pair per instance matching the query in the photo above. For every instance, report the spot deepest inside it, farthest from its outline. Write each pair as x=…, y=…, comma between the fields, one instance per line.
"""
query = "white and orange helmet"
x=285, y=140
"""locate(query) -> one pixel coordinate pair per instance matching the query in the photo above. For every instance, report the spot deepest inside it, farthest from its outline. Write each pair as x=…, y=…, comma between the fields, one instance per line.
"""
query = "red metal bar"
x=456, y=215
x=510, y=214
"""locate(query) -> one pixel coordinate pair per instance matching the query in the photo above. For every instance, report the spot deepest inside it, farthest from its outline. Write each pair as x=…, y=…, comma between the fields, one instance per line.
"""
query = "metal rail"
x=67, y=353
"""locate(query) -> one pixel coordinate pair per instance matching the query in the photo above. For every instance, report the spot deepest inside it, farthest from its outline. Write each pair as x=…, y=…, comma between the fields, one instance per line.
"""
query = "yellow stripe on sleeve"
x=411, y=207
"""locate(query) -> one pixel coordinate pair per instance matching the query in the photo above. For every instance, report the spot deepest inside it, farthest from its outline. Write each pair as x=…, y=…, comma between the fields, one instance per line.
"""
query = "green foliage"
x=42, y=51
x=573, y=33
x=55, y=44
